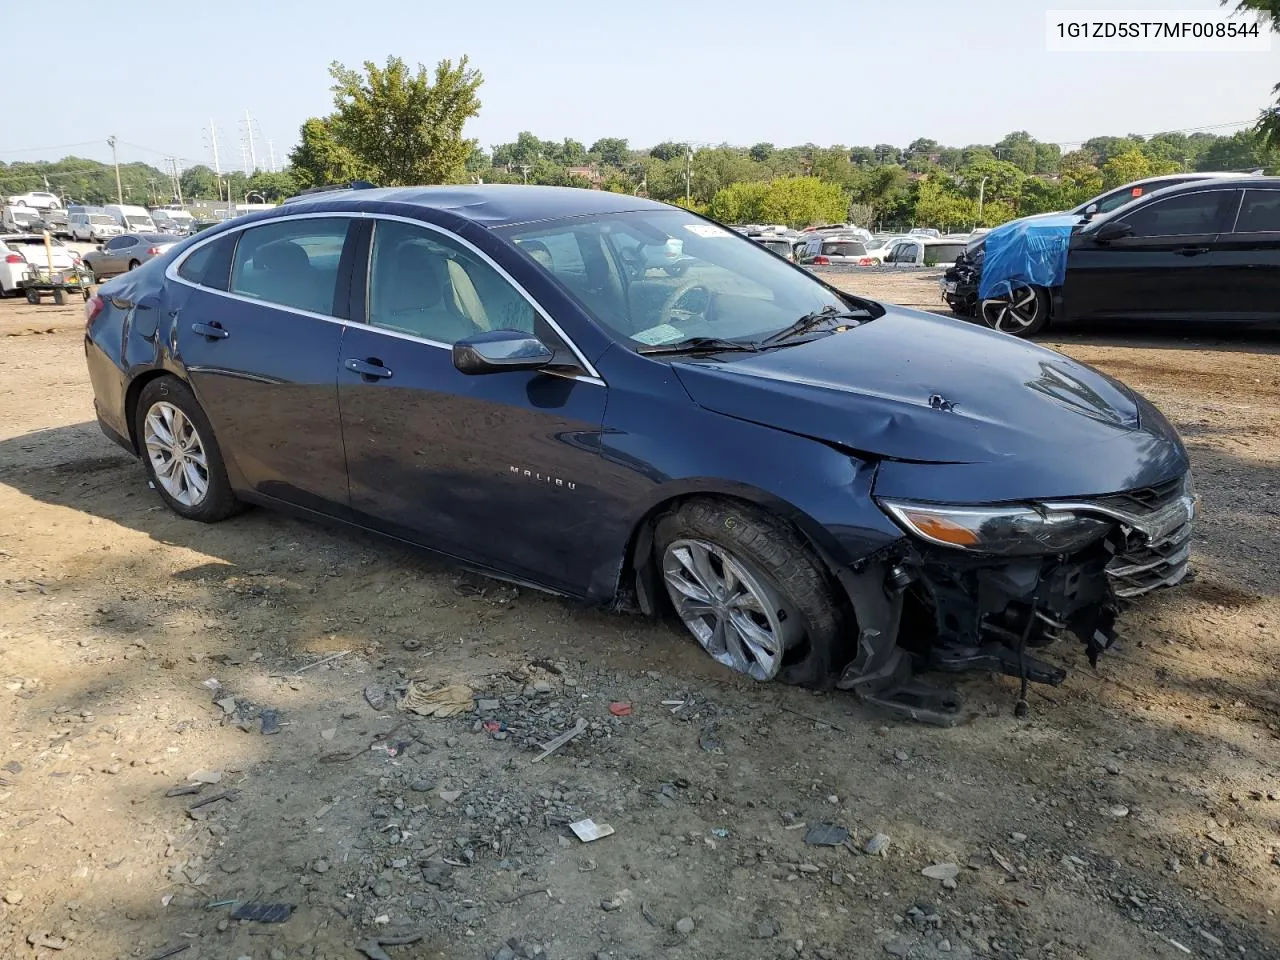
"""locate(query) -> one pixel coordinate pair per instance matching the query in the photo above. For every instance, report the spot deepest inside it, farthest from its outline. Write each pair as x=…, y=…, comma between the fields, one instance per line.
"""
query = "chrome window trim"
x=171, y=273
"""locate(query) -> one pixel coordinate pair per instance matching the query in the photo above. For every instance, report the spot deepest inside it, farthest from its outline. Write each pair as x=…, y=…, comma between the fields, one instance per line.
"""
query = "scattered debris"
x=554, y=745
x=709, y=739
x=877, y=845
x=195, y=811
x=813, y=719
x=263, y=912
x=205, y=776
x=372, y=946
x=13, y=897
x=270, y=722
x=43, y=939
x=411, y=644
x=376, y=696
x=1005, y=865
x=826, y=835
x=329, y=733
x=1118, y=811
x=228, y=705
x=942, y=871
x=449, y=796
x=184, y=790
x=766, y=928
x=684, y=926
x=588, y=830
x=170, y=951
x=620, y=709
x=328, y=659
x=446, y=701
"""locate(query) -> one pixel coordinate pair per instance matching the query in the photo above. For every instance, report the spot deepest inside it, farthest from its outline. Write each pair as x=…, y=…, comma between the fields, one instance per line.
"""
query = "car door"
x=259, y=334
x=1166, y=268
x=111, y=259
x=905, y=253
x=1250, y=255
x=492, y=468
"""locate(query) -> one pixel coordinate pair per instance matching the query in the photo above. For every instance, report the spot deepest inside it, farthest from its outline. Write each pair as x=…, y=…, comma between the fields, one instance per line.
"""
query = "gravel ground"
x=1135, y=813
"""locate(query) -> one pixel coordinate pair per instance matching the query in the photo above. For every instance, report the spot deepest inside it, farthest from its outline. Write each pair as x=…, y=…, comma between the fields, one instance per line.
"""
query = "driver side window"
x=425, y=284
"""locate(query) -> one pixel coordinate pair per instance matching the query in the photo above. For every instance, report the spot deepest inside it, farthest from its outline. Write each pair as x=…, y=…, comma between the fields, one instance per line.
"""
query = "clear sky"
x=156, y=72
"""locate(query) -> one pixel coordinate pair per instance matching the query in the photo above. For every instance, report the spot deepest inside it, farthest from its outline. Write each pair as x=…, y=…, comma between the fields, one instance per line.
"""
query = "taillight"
x=866, y=262
x=821, y=261
x=14, y=258
x=153, y=251
x=93, y=306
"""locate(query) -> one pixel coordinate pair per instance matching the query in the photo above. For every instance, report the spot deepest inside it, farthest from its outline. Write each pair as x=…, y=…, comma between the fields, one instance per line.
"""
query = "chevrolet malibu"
x=822, y=489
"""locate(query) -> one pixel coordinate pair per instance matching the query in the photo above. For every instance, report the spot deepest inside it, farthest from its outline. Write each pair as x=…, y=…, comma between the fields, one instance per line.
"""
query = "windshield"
x=782, y=247
x=138, y=221
x=725, y=286
x=101, y=218
x=24, y=216
x=943, y=252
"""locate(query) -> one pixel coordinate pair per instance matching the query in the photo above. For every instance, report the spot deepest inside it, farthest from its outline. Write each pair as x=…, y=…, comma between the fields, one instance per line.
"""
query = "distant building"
x=590, y=172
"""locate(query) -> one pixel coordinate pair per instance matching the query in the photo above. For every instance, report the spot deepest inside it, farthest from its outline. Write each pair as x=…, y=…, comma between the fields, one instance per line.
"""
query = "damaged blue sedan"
x=824, y=490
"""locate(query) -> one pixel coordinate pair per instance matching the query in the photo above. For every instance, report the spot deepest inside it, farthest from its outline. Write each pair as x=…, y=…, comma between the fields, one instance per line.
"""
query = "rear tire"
x=33, y=297
x=793, y=626
x=134, y=264
x=1024, y=313
x=60, y=297
x=196, y=486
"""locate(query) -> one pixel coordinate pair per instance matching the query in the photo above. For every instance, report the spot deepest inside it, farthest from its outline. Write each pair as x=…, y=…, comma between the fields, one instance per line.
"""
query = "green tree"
x=939, y=207
x=572, y=153
x=800, y=201
x=1134, y=165
x=199, y=183
x=668, y=150
x=319, y=159
x=1268, y=126
x=1019, y=149
x=1003, y=180
x=611, y=151
x=761, y=152
x=740, y=203
x=1048, y=156
x=404, y=126
x=274, y=187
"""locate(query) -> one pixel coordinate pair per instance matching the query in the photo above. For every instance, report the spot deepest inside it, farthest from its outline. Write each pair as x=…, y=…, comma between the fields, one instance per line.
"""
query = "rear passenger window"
x=193, y=267
x=293, y=263
x=1260, y=212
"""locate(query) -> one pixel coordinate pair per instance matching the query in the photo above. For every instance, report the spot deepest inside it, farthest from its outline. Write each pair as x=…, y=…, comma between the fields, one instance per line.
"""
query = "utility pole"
x=217, y=169
x=177, y=180
x=271, y=152
x=524, y=171
x=688, y=173
x=248, y=129
x=982, y=189
x=115, y=161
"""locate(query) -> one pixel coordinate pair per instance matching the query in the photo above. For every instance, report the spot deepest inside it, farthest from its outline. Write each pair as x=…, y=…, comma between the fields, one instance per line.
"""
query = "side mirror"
x=1090, y=212
x=1112, y=230
x=500, y=350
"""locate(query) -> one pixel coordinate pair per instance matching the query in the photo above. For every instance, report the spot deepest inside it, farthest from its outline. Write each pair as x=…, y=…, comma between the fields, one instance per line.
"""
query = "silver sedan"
x=121, y=254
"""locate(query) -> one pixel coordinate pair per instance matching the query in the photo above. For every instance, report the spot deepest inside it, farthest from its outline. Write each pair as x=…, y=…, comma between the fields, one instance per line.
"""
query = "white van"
x=21, y=220
x=90, y=223
x=178, y=215
x=133, y=219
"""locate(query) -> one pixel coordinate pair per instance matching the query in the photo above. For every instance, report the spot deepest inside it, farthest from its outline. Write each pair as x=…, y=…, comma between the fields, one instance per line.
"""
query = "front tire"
x=1024, y=313
x=181, y=454
x=751, y=592
x=134, y=264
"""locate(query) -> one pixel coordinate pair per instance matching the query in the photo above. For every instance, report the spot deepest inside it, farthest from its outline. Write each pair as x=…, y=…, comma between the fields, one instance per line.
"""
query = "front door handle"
x=1190, y=251
x=370, y=369
x=210, y=331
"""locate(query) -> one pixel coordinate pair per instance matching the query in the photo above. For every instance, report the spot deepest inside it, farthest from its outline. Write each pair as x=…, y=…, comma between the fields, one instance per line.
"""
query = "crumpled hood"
x=917, y=387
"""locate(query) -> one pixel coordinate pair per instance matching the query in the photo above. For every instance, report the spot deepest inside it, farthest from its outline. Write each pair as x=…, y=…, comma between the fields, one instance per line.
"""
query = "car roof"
x=488, y=205
x=1243, y=182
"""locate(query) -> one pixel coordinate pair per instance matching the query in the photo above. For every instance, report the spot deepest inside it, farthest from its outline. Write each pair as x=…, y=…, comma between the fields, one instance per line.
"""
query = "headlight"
x=1004, y=530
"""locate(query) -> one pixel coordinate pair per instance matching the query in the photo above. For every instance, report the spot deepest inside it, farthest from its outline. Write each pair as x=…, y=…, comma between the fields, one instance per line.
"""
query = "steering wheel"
x=677, y=294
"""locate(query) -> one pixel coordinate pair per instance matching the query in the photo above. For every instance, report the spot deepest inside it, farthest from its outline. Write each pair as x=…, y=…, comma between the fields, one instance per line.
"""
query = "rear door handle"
x=1190, y=251
x=371, y=369
x=212, y=331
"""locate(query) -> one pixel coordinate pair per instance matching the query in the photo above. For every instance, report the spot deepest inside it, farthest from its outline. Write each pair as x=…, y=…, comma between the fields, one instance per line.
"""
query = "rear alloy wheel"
x=181, y=455
x=1023, y=313
x=134, y=264
x=752, y=594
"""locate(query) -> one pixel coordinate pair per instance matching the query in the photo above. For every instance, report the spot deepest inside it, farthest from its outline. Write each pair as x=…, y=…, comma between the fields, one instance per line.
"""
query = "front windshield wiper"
x=694, y=344
x=811, y=320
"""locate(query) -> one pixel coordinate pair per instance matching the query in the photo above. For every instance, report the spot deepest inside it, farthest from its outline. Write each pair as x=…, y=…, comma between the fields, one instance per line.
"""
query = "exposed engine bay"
x=925, y=607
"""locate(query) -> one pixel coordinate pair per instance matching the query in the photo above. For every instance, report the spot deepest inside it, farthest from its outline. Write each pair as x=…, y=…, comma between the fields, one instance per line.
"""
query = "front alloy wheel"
x=736, y=617
x=177, y=454
x=1023, y=313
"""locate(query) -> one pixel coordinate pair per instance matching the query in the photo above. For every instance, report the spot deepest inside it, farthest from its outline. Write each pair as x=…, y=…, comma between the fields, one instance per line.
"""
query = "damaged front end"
x=977, y=587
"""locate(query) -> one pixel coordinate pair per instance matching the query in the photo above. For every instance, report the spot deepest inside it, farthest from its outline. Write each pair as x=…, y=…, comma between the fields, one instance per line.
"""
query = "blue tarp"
x=1028, y=251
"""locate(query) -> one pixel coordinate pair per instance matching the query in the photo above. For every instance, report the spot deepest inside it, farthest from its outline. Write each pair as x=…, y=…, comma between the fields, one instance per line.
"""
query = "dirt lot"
x=1135, y=814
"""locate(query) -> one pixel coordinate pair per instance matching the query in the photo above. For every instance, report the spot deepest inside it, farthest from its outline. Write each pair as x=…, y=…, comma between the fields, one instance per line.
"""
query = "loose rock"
x=877, y=845
x=684, y=926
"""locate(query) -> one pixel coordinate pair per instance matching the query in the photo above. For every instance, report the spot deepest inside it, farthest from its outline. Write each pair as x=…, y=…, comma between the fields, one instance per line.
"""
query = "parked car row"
x=1188, y=247
x=24, y=254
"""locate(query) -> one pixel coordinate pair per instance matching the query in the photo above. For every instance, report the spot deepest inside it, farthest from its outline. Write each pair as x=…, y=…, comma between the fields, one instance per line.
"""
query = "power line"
x=56, y=146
